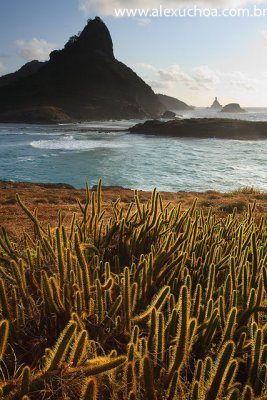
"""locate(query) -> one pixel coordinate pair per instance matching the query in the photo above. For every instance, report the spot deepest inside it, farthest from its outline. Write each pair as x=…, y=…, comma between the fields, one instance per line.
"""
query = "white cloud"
x=174, y=74
x=199, y=80
x=35, y=49
x=242, y=81
x=2, y=68
x=168, y=78
x=107, y=7
x=263, y=33
x=205, y=77
x=144, y=21
x=147, y=67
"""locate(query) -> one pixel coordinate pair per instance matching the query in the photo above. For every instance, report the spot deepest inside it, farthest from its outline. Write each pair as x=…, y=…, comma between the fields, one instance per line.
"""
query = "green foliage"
x=152, y=303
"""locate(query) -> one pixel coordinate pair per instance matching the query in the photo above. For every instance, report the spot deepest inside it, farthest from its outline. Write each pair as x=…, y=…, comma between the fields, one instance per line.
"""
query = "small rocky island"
x=233, y=108
x=204, y=128
x=216, y=105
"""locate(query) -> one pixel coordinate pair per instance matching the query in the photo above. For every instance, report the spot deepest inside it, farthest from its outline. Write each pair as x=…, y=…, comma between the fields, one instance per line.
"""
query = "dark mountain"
x=83, y=81
x=173, y=104
x=27, y=70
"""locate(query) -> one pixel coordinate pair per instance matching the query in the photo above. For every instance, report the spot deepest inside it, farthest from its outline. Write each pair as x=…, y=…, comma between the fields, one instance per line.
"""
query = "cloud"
x=2, y=68
x=146, y=67
x=144, y=21
x=201, y=78
x=242, y=81
x=107, y=7
x=263, y=33
x=205, y=77
x=174, y=74
x=35, y=49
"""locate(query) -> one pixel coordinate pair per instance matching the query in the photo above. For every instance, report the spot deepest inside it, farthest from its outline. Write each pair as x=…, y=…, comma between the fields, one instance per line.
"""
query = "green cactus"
x=4, y=331
x=149, y=379
x=180, y=353
x=25, y=381
x=157, y=303
x=171, y=302
x=79, y=348
x=98, y=365
x=220, y=371
x=90, y=389
x=61, y=347
x=247, y=393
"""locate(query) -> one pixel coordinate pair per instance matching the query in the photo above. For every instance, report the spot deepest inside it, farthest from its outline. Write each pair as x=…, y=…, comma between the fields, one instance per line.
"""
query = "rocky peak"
x=96, y=37
x=216, y=104
x=93, y=40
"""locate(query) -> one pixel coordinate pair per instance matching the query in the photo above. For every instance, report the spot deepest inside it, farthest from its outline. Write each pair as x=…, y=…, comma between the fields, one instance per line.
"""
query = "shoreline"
x=68, y=186
x=48, y=199
x=204, y=128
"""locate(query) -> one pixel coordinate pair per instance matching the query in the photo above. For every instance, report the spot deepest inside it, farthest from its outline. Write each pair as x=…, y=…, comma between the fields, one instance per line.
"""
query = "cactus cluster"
x=152, y=303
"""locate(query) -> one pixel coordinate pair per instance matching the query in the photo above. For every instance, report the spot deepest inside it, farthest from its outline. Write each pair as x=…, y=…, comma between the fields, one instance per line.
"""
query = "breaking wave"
x=70, y=144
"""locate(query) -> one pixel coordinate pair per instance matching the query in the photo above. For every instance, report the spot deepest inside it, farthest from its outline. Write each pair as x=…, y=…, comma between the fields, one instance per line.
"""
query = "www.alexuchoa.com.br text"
x=193, y=11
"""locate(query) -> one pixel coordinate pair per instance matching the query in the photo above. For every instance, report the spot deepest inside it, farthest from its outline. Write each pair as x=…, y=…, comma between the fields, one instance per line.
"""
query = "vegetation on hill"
x=153, y=303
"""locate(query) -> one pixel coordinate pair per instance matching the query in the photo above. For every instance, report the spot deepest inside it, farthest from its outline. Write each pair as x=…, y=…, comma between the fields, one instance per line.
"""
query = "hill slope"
x=171, y=103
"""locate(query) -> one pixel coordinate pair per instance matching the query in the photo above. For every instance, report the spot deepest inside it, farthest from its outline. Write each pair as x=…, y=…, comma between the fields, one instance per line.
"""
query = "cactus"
x=61, y=347
x=25, y=381
x=89, y=391
x=158, y=303
x=182, y=335
x=247, y=393
x=99, y=366
x=3, y=301
x=195, y=395
x=79, y=348
x=4, y=330
x=220, y=371
x=149, y=379
x=171, y=302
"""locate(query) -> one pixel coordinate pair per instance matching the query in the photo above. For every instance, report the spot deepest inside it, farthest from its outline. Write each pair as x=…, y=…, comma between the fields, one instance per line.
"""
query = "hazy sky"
x=192, y=58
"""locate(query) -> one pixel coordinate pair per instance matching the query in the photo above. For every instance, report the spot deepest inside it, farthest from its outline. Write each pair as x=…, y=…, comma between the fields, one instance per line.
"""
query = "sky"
x=192, y=58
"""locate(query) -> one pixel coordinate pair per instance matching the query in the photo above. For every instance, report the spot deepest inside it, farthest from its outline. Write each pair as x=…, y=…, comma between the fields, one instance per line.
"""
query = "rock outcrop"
x=216, y=105
x=84, y=81
x=36, y=115
x=168, y=114
x=233, y=108
x=173, y=104
x=204, y=128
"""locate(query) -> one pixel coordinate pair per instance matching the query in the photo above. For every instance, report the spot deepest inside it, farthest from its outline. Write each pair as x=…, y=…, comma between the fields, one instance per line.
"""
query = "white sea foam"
x=69, y=144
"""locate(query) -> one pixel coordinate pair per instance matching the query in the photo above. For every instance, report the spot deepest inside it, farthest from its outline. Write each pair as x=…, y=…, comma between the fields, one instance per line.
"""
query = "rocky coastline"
x=204, y=128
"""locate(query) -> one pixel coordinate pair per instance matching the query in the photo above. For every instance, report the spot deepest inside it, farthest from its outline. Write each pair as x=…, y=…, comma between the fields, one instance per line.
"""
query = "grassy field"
x=140, y=296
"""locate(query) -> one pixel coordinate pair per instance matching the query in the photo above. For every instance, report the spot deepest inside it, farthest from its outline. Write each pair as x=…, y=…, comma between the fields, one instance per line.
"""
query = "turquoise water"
x=80, y=153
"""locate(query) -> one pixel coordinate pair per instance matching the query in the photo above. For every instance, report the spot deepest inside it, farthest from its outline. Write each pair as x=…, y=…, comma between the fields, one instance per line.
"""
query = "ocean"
x=80, y=153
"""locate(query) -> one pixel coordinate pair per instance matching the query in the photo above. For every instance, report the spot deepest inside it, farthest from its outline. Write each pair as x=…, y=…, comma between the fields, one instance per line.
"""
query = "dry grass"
x=49, y=199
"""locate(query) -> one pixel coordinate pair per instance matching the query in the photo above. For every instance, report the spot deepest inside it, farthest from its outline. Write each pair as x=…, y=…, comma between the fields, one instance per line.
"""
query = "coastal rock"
x=173, y=104
x=204, y=128
x=84, y=80
x=168, y=114
x=233, y=108
x=216, y=105
x=51, y=115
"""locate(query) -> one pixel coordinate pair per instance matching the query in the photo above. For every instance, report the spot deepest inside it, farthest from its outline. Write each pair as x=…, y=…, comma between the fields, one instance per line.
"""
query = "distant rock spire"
x=216, y=104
